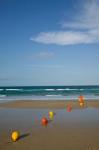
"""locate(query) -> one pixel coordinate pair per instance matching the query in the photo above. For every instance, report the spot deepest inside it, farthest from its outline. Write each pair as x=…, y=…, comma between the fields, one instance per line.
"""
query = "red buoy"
x=69, y=108
x=44, y=121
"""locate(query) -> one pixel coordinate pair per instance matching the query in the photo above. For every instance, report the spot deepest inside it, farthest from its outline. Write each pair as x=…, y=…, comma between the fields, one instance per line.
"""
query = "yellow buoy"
x=15, y=136
x=51, y=114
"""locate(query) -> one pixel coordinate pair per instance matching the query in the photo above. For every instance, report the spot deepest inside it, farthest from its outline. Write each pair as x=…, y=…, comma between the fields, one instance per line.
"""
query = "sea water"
x=48, y=92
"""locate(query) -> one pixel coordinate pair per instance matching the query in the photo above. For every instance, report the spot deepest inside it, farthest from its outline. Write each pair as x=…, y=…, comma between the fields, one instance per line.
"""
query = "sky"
x=49, y=42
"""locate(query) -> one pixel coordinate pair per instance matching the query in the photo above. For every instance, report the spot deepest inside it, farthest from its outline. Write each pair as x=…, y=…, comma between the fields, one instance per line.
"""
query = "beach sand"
x=57, y=104
x=75, y=130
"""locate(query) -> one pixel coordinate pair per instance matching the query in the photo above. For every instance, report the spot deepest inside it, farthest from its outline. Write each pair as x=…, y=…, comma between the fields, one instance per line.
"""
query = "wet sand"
x=75, y=130
x=48, y=104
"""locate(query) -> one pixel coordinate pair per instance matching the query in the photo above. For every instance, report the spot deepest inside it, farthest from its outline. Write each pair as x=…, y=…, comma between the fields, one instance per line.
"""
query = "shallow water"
x=48, y=97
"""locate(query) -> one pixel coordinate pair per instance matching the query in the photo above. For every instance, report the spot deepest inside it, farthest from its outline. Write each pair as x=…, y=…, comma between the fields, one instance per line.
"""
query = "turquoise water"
x=48, y=92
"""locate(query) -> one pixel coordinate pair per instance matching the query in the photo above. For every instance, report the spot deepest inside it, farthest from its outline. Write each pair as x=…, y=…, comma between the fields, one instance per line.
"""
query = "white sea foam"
x=68, y=89
x=1, y=89
x=14, y=89
x=60, y=89
x=53, y=95
x=81, y=89
x=49, y=89
x=2, y=95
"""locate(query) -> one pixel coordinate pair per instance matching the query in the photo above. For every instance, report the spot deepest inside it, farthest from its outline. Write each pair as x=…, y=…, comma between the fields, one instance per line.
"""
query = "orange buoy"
x=81, y=99
x=44, y=121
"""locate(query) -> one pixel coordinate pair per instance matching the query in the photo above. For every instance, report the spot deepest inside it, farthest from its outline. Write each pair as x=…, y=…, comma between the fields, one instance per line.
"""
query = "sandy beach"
x=75, y=130
x=55, y=104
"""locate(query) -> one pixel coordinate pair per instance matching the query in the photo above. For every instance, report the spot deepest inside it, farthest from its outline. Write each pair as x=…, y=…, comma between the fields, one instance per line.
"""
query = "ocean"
x=48, y=92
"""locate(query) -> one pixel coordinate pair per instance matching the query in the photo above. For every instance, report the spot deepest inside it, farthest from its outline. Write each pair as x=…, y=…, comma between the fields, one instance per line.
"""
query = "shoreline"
x=52, y=104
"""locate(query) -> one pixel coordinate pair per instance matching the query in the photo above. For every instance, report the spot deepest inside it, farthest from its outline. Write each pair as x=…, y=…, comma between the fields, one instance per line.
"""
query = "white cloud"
x=83, y=29
x=63, y=38
x=88, y=18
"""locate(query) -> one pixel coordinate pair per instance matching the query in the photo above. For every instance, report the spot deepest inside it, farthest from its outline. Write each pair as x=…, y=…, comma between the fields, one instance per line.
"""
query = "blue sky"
x=49, y=42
